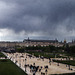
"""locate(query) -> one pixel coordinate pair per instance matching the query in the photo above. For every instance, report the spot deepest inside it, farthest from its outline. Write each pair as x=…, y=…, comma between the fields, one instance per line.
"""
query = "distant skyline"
x=37, y=19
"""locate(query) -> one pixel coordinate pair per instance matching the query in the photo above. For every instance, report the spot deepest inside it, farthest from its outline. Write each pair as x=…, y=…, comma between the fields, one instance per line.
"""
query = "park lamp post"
x=25, y=65
x=69, y=62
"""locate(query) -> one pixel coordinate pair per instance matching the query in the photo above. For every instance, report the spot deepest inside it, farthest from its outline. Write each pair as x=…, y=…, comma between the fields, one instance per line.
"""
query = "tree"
x=20, y=50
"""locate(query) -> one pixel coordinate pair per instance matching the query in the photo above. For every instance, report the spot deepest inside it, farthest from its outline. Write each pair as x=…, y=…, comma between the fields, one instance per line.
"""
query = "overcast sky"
x=37, y=19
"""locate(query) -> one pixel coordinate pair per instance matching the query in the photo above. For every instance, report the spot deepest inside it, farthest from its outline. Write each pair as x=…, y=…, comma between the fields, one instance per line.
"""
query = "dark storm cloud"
x=46, y=16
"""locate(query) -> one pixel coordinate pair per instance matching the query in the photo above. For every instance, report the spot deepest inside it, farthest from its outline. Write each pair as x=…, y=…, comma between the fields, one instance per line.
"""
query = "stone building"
x=31, y=42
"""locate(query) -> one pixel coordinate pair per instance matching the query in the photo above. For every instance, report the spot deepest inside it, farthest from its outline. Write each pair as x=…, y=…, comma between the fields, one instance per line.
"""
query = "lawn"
x=65, y=74
x=7, y=67
x=71, y=62
x=45, y=55
x=2, y=55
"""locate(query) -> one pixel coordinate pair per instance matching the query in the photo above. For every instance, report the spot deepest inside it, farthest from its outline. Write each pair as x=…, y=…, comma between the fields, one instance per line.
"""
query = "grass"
x=69, y=54
x=45, y=55
x=65, y=74
x=2, y=55
x=7, y=67
x=69, y=62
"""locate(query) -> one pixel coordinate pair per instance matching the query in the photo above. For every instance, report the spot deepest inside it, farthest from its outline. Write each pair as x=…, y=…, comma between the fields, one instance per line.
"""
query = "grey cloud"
x=45, y=16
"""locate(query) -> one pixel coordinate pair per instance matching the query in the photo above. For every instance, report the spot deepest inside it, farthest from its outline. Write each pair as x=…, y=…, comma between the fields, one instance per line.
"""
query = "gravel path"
x=52, y=69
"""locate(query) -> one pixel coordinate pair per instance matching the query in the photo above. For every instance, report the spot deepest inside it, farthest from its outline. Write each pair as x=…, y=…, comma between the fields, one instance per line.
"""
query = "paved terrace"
x=53, y=68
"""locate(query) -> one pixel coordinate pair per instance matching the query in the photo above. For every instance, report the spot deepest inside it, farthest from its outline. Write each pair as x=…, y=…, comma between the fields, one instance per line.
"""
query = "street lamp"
x=69, y=64
x=25, y=65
